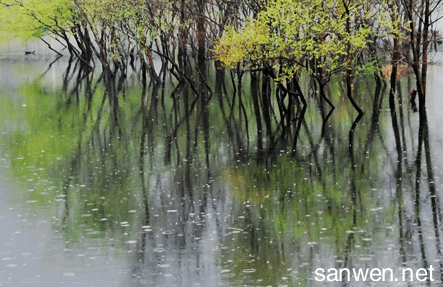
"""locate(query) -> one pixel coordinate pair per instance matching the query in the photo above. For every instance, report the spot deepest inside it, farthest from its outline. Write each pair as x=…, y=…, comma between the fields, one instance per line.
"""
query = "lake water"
x=119, y=185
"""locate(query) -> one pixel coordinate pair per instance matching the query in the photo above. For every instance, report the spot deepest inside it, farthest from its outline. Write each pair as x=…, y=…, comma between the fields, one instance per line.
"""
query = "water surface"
x=108, y=183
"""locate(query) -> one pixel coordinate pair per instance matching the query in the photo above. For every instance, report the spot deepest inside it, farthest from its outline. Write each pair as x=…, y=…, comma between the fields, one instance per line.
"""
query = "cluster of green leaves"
x=112, y=23
x=131, y=17
x=30, y=19
x=289, y=32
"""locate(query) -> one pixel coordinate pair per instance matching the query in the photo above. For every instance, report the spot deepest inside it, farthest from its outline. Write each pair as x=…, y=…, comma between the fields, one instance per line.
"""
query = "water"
x=139, y=192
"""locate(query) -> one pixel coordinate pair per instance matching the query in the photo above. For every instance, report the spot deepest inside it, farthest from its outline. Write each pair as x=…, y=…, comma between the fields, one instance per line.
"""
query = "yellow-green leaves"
x=29, y=19
x=248, y=45
x=290, y=32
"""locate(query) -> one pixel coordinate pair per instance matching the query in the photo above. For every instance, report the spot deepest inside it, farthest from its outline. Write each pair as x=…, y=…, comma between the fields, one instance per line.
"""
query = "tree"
x=419, y=14
x=29, y=19
x=288, y=35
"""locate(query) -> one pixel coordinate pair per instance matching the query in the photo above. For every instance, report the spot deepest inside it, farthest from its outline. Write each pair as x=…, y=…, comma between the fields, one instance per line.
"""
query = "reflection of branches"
x=314, y=149
x=376, y=109
x=354, y=192
x=435, y=206
x=417, y=192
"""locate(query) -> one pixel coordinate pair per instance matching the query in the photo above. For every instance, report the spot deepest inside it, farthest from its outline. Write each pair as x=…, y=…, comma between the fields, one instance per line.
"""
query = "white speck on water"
x=234, y=228
x=70, y=274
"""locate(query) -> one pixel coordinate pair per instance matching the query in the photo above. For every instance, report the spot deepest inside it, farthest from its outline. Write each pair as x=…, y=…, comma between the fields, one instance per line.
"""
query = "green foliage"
x=29, y=19
x=289, y=32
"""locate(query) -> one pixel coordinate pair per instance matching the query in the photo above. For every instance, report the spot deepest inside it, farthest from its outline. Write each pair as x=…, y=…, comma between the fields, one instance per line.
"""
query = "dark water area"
x=126, y=184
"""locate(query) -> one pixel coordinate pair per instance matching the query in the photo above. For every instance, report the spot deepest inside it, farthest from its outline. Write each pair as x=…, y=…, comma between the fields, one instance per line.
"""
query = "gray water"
x=94, y=193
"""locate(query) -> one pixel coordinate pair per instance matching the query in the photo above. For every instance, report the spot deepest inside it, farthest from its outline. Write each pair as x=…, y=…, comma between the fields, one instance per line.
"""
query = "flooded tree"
x=218, y=142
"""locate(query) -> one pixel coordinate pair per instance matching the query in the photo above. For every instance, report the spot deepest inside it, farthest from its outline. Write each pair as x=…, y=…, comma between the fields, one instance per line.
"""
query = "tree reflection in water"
x=226, y=179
